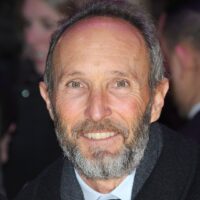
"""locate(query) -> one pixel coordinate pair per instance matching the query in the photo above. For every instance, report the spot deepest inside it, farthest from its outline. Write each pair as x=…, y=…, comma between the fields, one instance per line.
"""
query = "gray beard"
x=104, y=166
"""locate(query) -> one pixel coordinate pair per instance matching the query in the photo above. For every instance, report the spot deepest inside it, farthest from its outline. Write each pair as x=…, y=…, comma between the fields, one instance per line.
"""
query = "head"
x=40, y=21
x=104, y=85
x=180, y=38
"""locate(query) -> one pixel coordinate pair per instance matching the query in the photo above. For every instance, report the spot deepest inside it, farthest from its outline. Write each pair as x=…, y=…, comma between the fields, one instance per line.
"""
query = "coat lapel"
x=53, y=187
x=174, y=171
x=70, y=188
x=171, y=177
x=49, y=186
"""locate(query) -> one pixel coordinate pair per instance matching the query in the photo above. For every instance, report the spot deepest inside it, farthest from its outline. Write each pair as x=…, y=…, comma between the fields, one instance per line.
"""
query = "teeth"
x=99, y=136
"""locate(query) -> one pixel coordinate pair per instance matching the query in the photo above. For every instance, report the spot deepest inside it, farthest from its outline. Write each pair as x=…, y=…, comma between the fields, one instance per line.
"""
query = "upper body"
x=171, y=174
x=33, y=145
x=181, y=47
x=104, y=87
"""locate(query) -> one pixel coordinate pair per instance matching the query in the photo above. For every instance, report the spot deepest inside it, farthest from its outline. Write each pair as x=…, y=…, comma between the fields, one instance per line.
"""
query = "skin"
x=101, y=72
x=40, y=22
x=184, y=64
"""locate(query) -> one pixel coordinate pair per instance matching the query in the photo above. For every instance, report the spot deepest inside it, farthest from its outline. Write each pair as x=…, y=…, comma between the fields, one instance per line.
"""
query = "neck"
x=194, y=101
x=103, y=185
x=195, y=83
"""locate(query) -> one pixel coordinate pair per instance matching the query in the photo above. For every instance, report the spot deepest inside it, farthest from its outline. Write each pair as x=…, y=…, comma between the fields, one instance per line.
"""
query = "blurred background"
x=27, y=141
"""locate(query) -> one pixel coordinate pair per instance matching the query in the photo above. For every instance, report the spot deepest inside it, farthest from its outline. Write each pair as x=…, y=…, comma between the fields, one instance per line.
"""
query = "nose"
x=32, y=35
x=97, y=108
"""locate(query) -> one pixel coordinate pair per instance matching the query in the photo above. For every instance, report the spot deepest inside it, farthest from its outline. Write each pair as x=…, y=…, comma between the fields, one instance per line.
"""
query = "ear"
x=45, y=95
x=184, y=55
x=158, y=99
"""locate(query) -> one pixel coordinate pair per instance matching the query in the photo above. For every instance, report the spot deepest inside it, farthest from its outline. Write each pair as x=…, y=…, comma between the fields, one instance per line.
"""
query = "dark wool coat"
x=176, y=175
x=192, y=128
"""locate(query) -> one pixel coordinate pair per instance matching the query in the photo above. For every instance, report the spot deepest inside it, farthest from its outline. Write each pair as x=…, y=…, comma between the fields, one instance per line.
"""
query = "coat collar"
x=170, y=178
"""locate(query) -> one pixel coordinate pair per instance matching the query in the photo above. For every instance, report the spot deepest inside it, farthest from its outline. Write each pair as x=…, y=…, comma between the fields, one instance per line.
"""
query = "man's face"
x=101, y=99
x=178, y=86
x=40, y=22
x=179, y=81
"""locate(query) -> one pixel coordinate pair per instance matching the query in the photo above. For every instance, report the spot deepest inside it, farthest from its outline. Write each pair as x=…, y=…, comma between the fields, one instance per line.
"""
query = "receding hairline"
x=129, y=12
x=98, y=22
x=101, y=21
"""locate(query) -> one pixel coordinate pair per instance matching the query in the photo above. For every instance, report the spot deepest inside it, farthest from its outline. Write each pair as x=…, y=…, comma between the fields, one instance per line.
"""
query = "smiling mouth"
x=99, y=135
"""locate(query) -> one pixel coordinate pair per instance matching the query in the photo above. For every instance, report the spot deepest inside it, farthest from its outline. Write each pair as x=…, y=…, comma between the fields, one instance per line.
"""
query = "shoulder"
x=175, y=139
x=192, y=128
x=178, y=153
x=2, y=197
x=177, y=172
x=178, y=146
x=47, y=183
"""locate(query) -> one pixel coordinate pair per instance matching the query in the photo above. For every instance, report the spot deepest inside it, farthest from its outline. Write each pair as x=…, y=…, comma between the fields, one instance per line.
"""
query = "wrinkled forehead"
x=101, y=39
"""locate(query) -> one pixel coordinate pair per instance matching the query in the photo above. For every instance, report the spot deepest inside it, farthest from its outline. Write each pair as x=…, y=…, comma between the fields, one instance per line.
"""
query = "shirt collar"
x=122, y=191
x=195, y=109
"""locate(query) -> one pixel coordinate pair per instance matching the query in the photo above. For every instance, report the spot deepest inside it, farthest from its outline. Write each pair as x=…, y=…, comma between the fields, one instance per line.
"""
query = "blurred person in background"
x=180, y=36
x=33, y=145
x=169, y=115
x=104, y=87
x=9, y=63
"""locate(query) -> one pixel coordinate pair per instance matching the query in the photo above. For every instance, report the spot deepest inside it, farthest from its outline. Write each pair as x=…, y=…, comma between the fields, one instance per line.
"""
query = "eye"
x=122, y=84
x=26, y=23
x=74, y=84
x=48, y=24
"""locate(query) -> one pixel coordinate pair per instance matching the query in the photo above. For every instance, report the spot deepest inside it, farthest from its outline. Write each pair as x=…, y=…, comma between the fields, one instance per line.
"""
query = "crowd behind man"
x=104, y=88
x=180, y=36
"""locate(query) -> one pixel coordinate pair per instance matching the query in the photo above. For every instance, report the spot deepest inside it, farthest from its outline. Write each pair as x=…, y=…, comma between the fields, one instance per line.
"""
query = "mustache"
x=107, y=125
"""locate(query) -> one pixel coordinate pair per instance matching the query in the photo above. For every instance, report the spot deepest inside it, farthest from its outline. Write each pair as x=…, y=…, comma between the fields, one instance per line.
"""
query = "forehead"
x=100, y=39
x=99, y=25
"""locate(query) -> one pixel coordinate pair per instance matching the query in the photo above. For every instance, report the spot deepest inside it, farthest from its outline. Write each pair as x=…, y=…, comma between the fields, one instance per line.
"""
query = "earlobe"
x=158, y=99
x=45, y=95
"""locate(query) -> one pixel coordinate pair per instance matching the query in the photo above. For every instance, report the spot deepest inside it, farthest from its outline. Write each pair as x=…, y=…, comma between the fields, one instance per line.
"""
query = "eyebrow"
x=119, y=73
x=75, y=73
x=79, y=73
x=65, y=75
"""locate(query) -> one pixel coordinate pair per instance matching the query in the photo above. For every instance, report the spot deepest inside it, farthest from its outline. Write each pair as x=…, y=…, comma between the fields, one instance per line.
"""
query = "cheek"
x=47, y=36
x=43, y=39
x=176, y=83
x=129, y=108
x=44, y=42
x=69, y=109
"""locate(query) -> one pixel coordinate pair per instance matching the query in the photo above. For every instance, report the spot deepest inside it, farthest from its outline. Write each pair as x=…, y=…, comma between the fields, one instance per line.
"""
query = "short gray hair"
x=117, y=9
